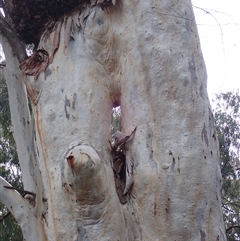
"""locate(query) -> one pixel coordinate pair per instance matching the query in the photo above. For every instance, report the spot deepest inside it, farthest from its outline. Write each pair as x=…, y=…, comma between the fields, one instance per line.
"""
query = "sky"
x=219, y=31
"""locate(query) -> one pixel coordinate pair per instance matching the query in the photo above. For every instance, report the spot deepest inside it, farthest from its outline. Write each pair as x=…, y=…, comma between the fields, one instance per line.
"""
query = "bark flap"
x=35, y=64
x=122, y=163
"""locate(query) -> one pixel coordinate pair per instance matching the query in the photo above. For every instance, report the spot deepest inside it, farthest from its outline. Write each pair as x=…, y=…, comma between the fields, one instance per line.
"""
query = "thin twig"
x=232, y=203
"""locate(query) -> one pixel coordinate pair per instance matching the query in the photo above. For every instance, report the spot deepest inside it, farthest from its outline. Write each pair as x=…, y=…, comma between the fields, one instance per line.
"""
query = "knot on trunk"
x=84, y=174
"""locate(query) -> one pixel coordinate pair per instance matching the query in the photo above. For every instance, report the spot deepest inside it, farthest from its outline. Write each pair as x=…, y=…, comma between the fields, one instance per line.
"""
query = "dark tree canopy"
x=31, y=17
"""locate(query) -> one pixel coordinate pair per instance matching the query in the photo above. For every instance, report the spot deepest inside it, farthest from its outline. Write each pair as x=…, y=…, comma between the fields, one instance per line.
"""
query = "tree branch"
x=231, y=227
x=232, y=203
x=23, y=193
x=23, y=127
x=17, y=46
x=22, y=211
x=15, y=203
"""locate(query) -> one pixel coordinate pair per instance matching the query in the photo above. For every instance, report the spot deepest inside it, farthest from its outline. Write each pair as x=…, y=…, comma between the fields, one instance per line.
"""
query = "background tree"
x=116, y=120
x=90, y=56
x=9, y=166
x=227, y=119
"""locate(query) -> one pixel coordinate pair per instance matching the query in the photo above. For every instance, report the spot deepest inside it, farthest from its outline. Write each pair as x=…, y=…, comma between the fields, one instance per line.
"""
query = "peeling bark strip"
x=35, y=64
x=122, y=163
x=120, y=139
x=204, y=135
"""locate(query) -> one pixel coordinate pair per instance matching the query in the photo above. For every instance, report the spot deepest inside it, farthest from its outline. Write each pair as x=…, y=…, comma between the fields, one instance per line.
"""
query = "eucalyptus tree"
x=159, y=179
x=227, y=119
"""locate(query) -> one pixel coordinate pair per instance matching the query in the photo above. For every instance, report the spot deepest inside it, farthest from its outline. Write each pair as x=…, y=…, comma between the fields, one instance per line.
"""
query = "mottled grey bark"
x=144, y=56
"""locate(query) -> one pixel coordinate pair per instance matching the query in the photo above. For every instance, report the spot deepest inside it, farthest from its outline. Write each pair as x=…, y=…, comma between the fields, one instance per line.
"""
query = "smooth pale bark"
x=144, y=56
x=29, y=217
x=22, y=211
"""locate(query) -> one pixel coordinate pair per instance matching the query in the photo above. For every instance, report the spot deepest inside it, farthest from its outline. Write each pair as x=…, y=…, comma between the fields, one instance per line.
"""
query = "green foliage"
x=116, y=120
x=9, y=228
x=9, y=166
x=227, y=121
x=9, y=163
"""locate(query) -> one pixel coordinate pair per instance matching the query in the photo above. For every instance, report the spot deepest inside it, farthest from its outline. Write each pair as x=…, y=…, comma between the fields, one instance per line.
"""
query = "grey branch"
x=17, y=46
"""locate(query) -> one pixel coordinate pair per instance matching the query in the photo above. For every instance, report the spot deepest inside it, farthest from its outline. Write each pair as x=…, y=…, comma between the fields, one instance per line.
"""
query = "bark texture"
x=144, y=56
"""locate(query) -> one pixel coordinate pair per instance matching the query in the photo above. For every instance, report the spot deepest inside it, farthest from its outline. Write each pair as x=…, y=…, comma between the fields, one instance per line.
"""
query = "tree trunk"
x=145, y=57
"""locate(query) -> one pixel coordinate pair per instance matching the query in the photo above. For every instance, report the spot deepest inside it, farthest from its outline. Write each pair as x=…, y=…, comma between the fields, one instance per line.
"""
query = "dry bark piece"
x=129, y=172
x=36, y=63
x=122, y=163
x=117, y=167
x=120, y=138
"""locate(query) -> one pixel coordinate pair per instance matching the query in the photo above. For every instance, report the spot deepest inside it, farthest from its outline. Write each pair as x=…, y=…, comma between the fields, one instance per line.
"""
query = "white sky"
x=219, y=34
